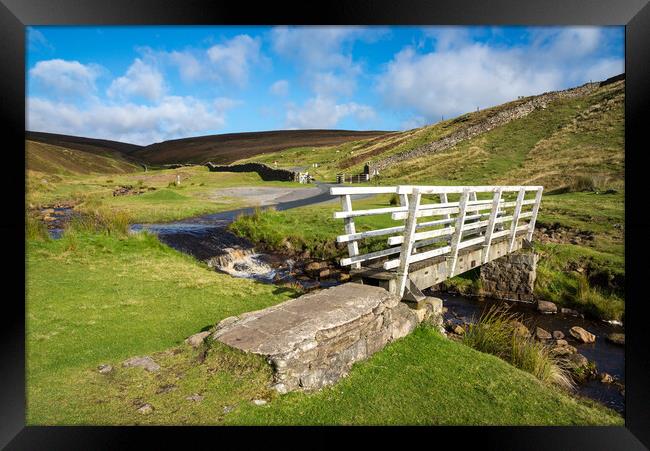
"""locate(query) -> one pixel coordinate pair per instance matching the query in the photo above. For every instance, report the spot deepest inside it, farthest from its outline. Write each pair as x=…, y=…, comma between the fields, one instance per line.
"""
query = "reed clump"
x=496, y=332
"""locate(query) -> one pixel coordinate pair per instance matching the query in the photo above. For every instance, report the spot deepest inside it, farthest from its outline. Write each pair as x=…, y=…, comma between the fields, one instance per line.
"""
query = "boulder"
x=195, y=397
x=558, y=334
x=520, y=330
x=561, y=342
x=582, y=335
x=568, y=311
x=315, y=266
x=145, y=362
x=145, y=409
x=578, y=360
x=259, y=402
x=542, y=334
x=105, y=369
x=563, y=350
x=616, y=338
x=197, y=340
x=458, y=330
x=606, y=378
x=546, y=307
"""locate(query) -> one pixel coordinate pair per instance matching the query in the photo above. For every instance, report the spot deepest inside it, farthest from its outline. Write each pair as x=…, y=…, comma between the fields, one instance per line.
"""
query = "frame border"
x=15, y=15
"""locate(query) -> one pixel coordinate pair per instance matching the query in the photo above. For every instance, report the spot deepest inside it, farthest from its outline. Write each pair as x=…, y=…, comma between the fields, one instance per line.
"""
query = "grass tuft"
x=495, y=333
x=104, y=221
x=35, y=229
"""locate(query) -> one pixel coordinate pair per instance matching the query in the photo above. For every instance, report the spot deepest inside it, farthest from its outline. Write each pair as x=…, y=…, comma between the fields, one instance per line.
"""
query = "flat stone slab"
x=313, y=340
x=278, y=329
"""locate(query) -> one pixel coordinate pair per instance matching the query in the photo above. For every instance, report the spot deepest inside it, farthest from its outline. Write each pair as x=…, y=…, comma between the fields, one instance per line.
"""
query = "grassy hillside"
x=558, y=145
x=80, y=143
x=227, y=148
x=60, y=160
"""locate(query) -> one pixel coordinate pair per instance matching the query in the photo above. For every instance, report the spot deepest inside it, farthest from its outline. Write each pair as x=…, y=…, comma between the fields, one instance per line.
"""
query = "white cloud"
x=323, y=55
x=37, y=40
x=321, y=47
x=320, y=112
x=334, y=85
x=188, y=64
x=280, y=88
x=173, y=117
x=66, y=77
x=461, y=75
x=232, y=59
x=141, y=79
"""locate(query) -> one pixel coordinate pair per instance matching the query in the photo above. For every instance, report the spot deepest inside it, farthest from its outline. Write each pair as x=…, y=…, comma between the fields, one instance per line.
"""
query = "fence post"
x=353, y=247
x=407, y=244
x=458, y=233
x=533, y=218
x=515, y=219
x=490, y=228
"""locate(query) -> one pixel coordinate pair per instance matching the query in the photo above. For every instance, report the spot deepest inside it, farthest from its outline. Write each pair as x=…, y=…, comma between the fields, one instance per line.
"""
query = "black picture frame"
x=15, y=15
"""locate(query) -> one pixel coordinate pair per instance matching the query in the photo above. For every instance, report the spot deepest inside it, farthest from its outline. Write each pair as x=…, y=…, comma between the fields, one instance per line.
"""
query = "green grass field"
x=96, y=298
x=197, y=194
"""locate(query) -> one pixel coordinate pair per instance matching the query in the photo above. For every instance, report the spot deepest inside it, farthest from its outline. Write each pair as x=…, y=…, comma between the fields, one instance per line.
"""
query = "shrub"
x=583, y=183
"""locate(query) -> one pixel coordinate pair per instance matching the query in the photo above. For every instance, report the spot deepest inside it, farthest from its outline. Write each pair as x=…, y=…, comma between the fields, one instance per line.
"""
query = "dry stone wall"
x=267, y=173
x=511, y=276
x=501, y=118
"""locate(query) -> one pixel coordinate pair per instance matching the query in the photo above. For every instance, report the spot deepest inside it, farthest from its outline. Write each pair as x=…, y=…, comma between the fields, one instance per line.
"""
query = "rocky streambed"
x=602, y=360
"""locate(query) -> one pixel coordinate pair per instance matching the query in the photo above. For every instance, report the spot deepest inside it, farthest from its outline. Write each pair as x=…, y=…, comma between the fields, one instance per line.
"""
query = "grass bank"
x=159, y=199
x=93, y=297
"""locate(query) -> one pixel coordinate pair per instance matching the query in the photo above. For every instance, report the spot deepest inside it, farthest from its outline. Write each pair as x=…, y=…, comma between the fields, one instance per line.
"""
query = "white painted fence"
x=482, y=212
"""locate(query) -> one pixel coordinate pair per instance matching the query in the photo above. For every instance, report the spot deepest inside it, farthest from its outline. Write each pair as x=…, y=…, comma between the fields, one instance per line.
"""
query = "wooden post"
x=533, y=218
x=490, y=228
x=353, y=247
x=407, y=244
x=515, y=219
x=458, y=233
x=443, y=200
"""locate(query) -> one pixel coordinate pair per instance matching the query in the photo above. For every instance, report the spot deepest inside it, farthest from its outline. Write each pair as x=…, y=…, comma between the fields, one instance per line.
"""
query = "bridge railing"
x=438, y=221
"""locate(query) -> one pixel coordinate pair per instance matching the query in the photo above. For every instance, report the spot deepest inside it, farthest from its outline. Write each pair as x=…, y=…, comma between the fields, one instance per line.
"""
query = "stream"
x=207, y=239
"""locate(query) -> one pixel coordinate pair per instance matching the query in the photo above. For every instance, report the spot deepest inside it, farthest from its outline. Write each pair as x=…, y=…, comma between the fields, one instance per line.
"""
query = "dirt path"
x=264, y=195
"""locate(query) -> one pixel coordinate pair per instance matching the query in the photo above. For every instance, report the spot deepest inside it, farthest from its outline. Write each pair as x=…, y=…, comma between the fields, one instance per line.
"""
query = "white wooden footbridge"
x=446, y=230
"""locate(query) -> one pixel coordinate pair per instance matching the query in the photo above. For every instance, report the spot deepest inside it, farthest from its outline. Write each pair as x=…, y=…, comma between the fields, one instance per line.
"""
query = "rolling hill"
x=227, y=148
x=60, y=160
x=220, y=149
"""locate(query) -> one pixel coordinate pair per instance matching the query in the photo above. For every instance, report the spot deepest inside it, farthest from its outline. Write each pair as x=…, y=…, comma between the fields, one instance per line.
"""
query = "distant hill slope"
x=100, y=146
x=56, y=159
x=227, y=148
x=552, y=139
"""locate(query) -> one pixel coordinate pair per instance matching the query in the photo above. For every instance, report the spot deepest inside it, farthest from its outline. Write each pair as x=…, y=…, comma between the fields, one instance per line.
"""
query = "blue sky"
x=148, y=84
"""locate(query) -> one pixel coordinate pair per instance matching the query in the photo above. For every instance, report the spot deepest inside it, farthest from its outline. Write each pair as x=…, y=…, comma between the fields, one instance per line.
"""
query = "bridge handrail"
x=406, y=239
